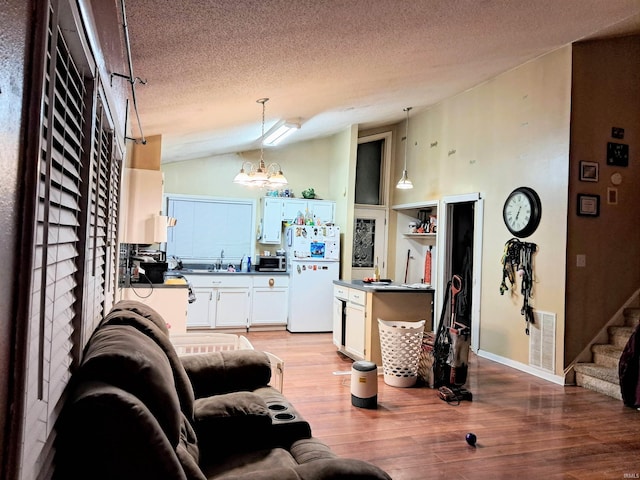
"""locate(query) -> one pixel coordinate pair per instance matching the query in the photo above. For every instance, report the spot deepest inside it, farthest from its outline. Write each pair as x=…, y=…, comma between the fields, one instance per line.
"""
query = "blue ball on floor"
x=471, y=439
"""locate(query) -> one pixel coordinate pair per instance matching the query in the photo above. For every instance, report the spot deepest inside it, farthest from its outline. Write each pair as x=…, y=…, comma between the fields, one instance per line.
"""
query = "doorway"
x=461, y=255
x=369, y=242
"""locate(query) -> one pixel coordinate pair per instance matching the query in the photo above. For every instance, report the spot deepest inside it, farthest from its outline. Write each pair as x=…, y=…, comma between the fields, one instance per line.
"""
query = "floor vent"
x=542, y=341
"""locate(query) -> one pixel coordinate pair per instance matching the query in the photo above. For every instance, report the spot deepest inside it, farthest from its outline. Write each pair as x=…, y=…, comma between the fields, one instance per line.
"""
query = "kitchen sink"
x=203, y=270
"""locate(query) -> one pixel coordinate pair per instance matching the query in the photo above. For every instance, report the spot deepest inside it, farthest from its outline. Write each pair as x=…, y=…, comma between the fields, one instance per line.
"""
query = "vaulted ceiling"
x=329, y=64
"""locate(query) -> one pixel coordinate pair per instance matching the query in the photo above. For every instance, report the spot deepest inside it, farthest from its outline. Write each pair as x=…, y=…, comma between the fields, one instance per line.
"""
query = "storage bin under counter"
x=358, y=306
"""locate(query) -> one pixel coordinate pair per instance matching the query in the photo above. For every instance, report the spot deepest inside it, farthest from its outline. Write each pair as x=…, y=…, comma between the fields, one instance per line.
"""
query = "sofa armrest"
x=227, y=371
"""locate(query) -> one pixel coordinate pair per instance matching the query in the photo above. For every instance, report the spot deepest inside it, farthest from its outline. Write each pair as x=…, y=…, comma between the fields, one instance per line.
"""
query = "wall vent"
x=542, y=341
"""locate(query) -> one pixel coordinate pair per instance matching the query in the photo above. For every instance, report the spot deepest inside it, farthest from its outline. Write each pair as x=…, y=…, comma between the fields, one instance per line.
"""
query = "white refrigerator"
x=313, y=263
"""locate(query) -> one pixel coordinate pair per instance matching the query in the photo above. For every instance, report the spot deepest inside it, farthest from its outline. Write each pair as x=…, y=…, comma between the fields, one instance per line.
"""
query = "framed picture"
x=588, y=171
x=612, y=195
x=588, y=205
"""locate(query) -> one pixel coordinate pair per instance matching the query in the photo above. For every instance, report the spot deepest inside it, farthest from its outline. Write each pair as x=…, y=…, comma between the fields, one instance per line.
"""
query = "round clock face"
x=522, y=211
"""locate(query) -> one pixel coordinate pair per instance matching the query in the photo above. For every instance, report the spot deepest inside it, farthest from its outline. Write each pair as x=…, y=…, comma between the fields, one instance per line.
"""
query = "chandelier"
x=261, y=175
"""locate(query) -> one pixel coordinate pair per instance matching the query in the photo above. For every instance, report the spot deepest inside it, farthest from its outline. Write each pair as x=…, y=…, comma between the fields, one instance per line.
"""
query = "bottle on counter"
x=248, y=264
x=376, y=272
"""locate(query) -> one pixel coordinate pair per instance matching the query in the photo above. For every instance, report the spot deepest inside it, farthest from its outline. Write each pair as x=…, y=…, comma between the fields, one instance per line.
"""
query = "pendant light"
x=261, y=176
x=404, y=183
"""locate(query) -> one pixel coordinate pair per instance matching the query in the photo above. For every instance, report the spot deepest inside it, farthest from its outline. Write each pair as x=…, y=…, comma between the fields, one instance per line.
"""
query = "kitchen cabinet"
x=238, y=301
x=357, y=309
x=222, y=301
x=291, y=207
x=271, y=220
x=142, y=196
x=232, y=308
x=323, y=210
x=355, y=325
x=202, y=312
x=269, y=300
x=276, y=210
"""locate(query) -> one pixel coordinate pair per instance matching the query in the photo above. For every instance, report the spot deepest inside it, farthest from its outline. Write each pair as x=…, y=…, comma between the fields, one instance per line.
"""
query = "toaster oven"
x=271, y=264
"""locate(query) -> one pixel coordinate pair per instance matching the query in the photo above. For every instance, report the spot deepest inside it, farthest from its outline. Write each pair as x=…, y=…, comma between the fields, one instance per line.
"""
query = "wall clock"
x=522, y=211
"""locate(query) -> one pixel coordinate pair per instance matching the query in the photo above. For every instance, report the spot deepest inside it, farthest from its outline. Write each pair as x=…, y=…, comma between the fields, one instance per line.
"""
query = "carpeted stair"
x=602, y=374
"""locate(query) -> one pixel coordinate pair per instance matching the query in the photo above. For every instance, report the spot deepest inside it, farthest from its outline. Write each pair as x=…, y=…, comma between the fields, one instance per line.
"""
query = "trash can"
x=364, y=384
x=401, y=346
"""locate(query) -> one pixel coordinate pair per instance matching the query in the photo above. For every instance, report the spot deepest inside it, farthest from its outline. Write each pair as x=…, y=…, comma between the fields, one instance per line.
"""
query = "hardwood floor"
x=527, y=428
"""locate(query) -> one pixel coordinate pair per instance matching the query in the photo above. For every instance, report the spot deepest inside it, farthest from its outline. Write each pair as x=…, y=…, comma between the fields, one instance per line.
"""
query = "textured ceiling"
x=332, y=63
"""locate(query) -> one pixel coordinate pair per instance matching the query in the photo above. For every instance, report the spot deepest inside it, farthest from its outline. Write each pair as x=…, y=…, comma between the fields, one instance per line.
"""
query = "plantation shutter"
x=101, y=227
x=54, y=316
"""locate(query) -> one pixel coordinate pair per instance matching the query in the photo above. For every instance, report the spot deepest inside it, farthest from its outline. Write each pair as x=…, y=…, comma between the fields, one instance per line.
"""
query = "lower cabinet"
x=354, y=338
x=202, y=312
x=270, y=300
x=238, y=301
x=349, y=321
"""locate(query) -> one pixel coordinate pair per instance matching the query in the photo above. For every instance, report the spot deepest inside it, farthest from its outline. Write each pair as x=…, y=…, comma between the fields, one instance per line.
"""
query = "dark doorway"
x=462, y=238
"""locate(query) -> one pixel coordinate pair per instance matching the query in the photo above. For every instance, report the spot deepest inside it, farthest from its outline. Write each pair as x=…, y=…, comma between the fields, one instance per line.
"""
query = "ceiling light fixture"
x=279, y=132
x=262, y=175
x=404, y=183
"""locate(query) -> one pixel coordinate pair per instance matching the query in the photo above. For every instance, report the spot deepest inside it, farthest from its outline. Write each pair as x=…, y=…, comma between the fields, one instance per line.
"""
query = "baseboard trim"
x=536, y=372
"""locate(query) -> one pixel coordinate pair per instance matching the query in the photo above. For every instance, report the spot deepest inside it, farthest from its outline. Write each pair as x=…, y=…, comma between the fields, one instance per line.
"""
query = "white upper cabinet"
x=142, y=200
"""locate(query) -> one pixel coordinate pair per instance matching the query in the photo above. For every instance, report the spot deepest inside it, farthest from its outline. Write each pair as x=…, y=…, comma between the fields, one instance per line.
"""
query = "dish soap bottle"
x=249, y=264
x=376, y=272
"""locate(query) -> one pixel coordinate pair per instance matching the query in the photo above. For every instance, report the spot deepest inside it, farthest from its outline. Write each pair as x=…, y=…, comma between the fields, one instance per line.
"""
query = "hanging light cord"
x=406, y=137
x=262, y=165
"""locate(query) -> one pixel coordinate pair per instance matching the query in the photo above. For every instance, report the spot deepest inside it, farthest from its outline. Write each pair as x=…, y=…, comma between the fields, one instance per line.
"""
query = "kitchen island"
x=357, y=306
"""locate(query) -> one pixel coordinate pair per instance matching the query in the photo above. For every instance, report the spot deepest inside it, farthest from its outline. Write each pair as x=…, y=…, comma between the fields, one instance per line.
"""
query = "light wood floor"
x=527, y=428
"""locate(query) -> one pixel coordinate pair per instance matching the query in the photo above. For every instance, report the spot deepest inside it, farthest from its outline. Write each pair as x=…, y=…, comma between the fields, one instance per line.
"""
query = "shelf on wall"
x=419, y=235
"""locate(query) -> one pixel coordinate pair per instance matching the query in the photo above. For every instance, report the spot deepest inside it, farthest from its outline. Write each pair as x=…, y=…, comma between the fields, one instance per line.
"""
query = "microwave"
x=271, y=264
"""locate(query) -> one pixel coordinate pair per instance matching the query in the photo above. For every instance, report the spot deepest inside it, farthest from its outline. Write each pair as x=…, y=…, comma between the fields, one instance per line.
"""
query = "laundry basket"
x=401, y=345
x=201, y=343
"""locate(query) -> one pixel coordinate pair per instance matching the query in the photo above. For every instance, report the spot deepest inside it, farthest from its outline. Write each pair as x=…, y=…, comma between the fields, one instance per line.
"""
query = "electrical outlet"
x=581, y=260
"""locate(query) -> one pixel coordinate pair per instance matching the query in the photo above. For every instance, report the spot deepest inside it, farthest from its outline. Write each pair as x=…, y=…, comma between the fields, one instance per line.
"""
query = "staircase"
x=602, y=374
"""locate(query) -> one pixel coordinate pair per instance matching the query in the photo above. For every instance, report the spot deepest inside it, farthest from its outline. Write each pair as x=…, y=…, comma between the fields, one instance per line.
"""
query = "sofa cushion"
x=144, y=311
x=150, y=328
x=250, y=464
x=227, y=371
x=106, y=433
x=188, y=451
x=122, y=356
x=232, y=421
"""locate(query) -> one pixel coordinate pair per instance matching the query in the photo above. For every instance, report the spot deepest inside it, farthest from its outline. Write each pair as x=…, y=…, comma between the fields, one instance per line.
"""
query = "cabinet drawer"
x=226, y=280
x=341, y=292
x=267, y=281
x=357, y=297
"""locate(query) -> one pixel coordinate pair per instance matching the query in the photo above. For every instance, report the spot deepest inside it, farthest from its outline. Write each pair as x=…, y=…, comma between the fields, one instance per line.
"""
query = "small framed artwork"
x=588, y=205
x=588, y=171
x=612, y=195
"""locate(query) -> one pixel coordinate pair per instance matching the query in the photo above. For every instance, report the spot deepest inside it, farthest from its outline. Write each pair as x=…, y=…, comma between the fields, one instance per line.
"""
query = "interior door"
x=460, y=222
x=369, y=242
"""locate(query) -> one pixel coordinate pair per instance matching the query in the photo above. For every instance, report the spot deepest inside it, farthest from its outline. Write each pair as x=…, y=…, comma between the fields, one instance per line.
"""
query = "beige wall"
x=322, y=164
x=503, y=134
x=606, y=93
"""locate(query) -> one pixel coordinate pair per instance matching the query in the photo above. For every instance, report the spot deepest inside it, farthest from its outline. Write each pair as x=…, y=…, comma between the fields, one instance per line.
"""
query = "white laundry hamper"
x=401, y=346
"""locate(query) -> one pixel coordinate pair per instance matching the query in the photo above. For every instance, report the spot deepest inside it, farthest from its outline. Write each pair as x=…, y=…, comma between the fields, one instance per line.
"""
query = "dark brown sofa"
x=135, y=410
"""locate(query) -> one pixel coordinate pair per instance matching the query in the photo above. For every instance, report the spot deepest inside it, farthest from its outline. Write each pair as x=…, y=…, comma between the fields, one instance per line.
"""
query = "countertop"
x=391, y=287
x=187, y=272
